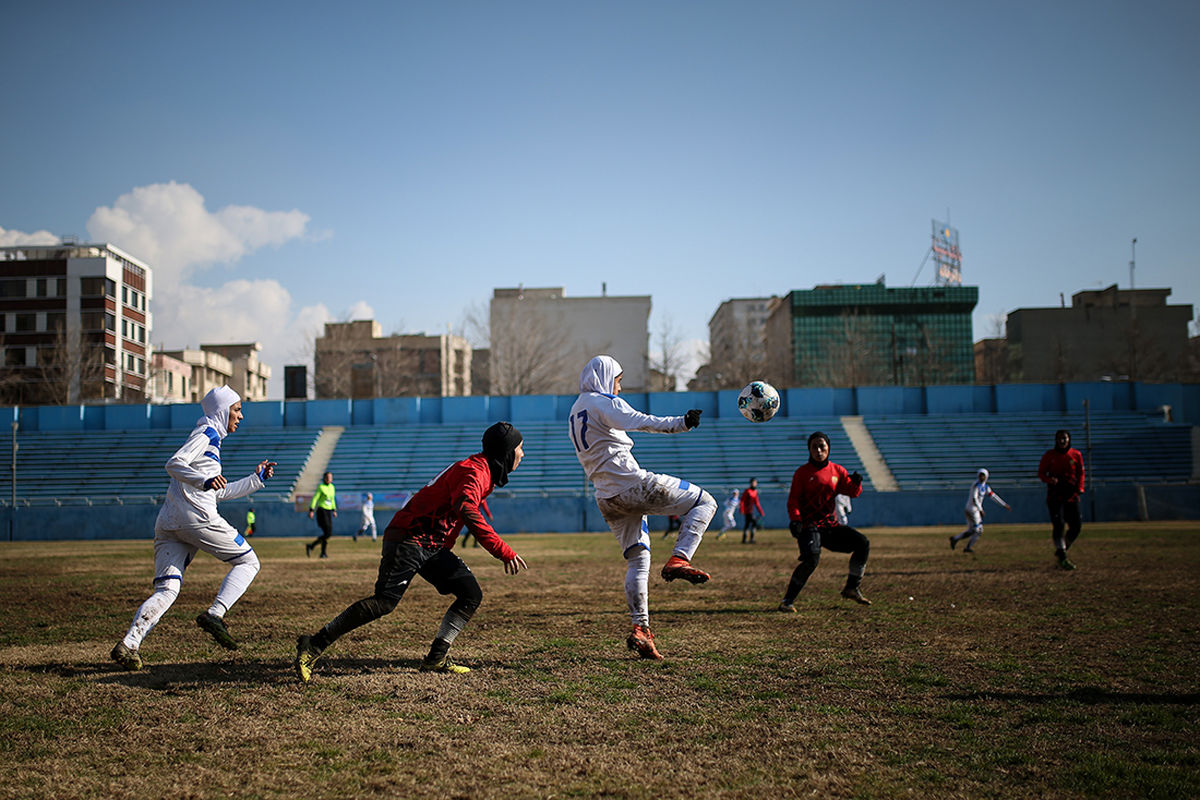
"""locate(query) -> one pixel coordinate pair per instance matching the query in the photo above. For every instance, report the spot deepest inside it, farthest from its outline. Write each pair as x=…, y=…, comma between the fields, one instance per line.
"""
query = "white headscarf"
x=982, y=472
x=215, y=406
x=599, y=375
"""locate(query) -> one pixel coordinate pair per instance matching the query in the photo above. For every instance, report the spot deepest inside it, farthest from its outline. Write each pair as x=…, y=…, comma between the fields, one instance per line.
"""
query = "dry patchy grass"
x=988, y=676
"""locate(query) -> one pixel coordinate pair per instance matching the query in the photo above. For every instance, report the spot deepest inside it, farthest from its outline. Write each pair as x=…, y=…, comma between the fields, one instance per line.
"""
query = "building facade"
x=1107, y=334
x=354, y=360
x=75, y=324
x=187, y=375
x=540, y=339
x=872, y=335
x=737, y=334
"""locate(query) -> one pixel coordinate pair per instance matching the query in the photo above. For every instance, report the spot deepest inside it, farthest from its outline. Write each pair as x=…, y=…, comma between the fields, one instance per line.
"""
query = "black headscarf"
x=817, y=435
x=1056, y=435
x=499, y=446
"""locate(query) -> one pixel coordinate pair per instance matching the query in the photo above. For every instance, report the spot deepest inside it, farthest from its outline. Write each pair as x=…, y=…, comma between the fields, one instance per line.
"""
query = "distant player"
x=842, y=509
x=251, y=519
x=974, y=511
x=188, y=521
x=814, y=522
x=368, y=518
x=749, y=502
x=420, y=541
x=626, y=493
x=1061, y=469
x=729, y=510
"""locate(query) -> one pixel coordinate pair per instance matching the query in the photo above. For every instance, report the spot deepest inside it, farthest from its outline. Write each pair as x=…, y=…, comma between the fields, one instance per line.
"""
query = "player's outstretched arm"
x=515, y=565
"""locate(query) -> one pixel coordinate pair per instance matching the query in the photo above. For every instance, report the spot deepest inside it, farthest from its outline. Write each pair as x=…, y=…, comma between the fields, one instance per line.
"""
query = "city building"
x=737, y=344
x=354, y=359
x=248, y=375
x=540, y=339
x=74, y=324
x=1106, y=334
x=170, y=379
x=871, y=335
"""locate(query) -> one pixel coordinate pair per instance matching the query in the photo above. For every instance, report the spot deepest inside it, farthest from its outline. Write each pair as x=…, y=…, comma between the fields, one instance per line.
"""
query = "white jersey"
x=188, y=504
x=978, y=492
x=597, y=427
x=368, y=512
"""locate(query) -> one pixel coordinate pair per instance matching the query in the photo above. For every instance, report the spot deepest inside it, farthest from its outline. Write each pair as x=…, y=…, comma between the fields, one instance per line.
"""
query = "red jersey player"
x=420, y=541
x=813, y=521
x=1061, y=469
x=747, y=504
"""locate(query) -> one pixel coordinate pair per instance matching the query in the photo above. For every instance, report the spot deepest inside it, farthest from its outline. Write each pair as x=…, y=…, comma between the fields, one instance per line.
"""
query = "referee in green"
x=324, y=506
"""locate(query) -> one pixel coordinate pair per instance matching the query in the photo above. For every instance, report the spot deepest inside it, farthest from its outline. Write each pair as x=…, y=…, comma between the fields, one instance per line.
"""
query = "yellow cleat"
x=444, y=665
x=306, y=656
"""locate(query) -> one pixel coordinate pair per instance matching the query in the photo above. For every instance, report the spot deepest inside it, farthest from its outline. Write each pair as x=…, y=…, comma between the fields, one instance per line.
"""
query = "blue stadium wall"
x=532, y=513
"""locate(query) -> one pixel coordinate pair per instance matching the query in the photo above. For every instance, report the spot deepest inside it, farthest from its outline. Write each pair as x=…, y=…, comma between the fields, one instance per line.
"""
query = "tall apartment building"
x=354, y=359
x=870, y=334
x=540, y=339
x=74, y=322
x=187, y=375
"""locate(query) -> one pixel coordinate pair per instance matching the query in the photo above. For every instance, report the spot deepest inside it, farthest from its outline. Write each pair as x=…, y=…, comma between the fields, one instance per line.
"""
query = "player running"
x=974, y=511
x=1061, y=469
x=626, y=493
x=188, y=521
x=420, y=541
x=814, y=523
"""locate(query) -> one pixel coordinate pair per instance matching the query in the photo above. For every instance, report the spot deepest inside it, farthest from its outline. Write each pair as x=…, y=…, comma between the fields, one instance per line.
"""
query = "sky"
x=281, y=165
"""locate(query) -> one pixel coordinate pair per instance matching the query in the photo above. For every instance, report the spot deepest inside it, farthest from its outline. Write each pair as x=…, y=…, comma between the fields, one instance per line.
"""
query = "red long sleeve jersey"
x=749, y=500
x=811, y=500
x=1067, y=470
x=436, y=513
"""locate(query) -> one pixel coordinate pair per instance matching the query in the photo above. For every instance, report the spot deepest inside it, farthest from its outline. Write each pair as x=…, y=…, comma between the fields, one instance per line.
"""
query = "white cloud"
x=167, y=226
x=22, y=239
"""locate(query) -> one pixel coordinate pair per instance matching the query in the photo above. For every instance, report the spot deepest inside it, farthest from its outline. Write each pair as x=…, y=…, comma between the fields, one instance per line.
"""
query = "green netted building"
x=872, y=335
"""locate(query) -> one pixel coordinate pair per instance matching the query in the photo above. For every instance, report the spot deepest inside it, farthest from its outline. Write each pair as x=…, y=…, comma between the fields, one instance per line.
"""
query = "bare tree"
x=70, y=369
x=669, y=357
x=853, y=358
x=739, y=359
x=530, y=350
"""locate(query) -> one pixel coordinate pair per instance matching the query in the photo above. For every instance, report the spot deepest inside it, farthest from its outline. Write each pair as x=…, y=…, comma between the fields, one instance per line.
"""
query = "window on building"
x=110, y=322
x=14, y=357
x=41, y=287
x=26, y=322
x=60, y=287
x=12, y=288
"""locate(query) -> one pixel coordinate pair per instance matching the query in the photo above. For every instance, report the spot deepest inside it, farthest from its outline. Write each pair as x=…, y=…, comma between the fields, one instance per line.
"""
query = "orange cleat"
x=677, y=567
x=642, y=640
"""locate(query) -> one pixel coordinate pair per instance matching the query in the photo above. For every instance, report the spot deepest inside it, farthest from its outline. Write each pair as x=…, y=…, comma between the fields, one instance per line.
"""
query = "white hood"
x=216, y=409
x=599, y=374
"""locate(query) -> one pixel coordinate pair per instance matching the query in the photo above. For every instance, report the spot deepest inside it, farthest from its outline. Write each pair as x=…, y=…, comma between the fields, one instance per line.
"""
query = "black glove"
x=855, y=477
x=692, y=418
x=208, y=484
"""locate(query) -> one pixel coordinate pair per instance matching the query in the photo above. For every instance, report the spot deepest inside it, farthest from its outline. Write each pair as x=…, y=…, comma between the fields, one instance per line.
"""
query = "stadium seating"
x=936, y=451
x=719, y=455
x=64, y=467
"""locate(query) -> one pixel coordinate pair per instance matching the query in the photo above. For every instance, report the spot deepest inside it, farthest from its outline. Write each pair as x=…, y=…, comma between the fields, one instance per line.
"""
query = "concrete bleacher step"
x=872, y=460
x=318, y=459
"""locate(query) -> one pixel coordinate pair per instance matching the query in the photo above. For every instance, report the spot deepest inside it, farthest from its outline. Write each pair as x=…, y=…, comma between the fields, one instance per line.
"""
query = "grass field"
x=994, y=675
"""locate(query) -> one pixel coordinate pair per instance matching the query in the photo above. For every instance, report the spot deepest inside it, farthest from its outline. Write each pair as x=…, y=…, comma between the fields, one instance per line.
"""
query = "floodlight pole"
x=12, y=517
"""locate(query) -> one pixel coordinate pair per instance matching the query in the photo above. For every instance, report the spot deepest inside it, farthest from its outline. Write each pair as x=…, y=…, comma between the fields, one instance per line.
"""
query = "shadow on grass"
x=1088, y=695
x=182, y=675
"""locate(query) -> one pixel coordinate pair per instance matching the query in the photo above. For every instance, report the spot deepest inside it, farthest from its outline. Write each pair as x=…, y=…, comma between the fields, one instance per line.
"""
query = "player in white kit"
x=626, y=493
x=974, y=512
x=188, y=522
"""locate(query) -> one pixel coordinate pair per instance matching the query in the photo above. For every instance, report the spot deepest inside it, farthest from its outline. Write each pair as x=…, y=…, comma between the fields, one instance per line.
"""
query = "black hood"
x=499, y=445
x=818, y=435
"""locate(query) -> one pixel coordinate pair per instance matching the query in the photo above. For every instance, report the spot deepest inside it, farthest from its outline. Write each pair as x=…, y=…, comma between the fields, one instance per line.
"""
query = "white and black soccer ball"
x=759, y=401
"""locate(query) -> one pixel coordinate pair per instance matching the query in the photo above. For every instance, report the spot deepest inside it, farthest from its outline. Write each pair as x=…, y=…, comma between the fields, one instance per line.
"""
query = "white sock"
x=637, y=579
x=151, y=611
x=236, y=582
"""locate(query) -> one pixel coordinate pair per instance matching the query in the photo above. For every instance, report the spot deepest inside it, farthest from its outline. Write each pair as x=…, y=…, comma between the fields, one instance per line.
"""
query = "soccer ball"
x=759, y=401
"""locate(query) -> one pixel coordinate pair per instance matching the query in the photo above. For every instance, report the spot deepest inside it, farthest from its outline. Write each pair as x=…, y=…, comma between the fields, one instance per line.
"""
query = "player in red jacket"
x=811, y=509
x=1061, y=469
x=747, y=504
x=420, y=541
